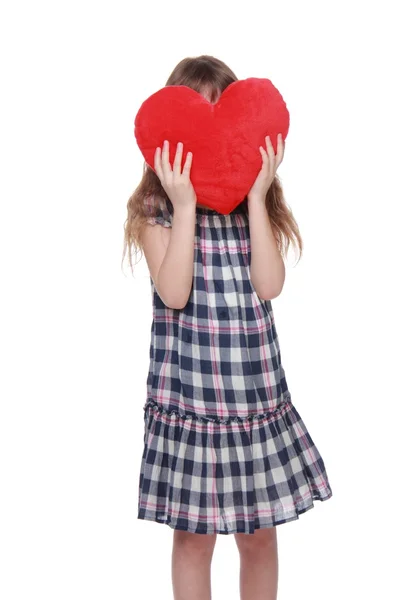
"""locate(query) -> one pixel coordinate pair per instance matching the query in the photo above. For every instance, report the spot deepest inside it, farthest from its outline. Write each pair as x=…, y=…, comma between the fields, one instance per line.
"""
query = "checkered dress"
x=225, y=450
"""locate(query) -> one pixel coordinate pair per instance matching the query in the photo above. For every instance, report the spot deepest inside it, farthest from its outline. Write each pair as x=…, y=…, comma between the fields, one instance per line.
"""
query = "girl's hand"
x=268, y=170
x=175, y=182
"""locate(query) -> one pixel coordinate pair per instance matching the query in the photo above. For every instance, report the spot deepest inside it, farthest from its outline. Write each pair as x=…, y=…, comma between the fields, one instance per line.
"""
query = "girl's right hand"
x=175, y=182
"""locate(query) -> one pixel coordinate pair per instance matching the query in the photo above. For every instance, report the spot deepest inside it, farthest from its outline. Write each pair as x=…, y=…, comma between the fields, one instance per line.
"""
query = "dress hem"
x=141, y=515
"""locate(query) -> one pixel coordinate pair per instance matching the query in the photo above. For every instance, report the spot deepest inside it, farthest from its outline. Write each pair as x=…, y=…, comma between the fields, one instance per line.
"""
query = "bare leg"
x=191, y=565
x=258, y=564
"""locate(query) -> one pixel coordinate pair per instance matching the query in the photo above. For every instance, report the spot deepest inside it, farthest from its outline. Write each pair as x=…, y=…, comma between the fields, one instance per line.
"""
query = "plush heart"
x=224, y=137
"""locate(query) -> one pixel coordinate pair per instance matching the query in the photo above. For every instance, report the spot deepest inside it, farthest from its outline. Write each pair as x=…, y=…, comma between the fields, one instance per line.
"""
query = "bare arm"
x=169, y=253
x=267, y=269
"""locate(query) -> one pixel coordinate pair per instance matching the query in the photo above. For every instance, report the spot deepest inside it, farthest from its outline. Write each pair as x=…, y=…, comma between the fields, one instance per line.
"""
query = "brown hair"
x=204, y=73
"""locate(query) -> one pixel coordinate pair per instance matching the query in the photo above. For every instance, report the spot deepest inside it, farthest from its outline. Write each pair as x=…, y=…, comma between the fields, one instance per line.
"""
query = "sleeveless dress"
x=225, y=450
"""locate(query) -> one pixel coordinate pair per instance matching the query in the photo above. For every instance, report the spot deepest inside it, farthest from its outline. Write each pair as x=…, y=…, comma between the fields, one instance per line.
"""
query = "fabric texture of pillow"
x=224, y=137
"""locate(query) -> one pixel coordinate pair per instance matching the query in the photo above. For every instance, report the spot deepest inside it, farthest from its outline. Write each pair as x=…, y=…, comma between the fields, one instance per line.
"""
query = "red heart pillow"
x=224, y=137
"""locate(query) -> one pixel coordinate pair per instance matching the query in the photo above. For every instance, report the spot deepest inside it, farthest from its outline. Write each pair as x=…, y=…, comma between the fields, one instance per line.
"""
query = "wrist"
x=256, y=200
x=188, y=208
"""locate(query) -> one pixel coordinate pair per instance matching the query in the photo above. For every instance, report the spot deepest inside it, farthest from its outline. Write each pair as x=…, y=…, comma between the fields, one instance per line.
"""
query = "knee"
x=258, y=545
x=200, y=546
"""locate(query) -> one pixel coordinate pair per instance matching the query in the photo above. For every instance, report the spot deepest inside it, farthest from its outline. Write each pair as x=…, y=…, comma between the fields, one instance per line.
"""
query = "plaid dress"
x=225, y=450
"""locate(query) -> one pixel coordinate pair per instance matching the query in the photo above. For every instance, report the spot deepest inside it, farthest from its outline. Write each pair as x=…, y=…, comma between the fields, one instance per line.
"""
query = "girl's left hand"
x=269, y=167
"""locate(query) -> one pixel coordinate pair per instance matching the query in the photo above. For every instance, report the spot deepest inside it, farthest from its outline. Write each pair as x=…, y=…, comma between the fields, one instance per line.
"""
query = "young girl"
x=225, y=450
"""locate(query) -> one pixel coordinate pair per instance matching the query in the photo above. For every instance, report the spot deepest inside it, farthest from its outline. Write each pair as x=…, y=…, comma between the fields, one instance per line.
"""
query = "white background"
x=75, y=327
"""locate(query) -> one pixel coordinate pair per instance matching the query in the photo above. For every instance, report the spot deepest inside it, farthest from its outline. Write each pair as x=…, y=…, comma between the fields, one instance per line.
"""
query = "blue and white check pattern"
x=225, y=450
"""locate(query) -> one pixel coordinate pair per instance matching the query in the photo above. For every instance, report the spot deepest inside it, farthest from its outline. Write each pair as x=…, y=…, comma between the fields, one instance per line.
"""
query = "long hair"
x=203, y=73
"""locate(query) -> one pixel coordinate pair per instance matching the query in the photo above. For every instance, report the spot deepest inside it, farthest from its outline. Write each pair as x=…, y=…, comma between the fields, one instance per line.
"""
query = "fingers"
x=280, y=150
x=162, y=164
x=166, y=166
x=178, y=159
x=157, y=163
x=269, y=155
x=188, y=164
x=161, y=161
x=270, y=148
x=266, y=158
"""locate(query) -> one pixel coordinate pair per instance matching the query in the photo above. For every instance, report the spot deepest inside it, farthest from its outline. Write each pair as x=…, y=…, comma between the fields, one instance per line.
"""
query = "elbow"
x=174, y=299
x=176, y=305
x=270, y=291
x=174, y=302
x=269, y=294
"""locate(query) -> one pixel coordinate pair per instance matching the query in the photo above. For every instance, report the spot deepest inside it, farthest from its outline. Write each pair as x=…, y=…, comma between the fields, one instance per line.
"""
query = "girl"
x=225, y=450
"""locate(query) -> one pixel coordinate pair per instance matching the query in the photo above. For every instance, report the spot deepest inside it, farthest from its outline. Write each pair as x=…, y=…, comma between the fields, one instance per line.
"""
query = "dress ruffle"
x=232, y=476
